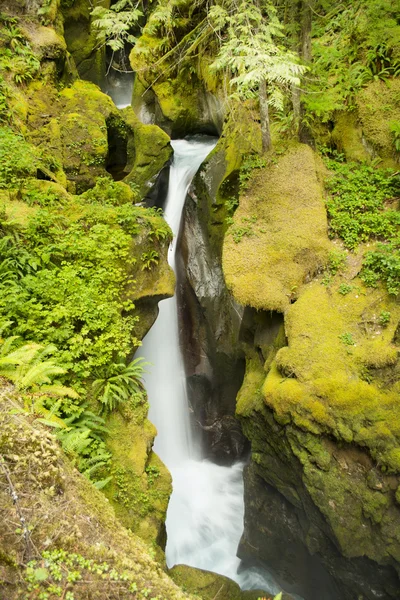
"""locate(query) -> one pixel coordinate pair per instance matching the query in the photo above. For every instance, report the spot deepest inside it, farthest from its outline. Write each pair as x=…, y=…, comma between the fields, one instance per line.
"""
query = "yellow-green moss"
x=347, y=137
x=148, y=151
x=17, y=210
x=205, y=584
x=278, y=239
x=46, y=43
x=250, y=396
x=378, y=105
x=320, y=382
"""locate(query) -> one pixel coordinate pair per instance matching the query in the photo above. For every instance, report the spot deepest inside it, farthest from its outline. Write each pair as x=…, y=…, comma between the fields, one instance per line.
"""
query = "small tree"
x=255, y=63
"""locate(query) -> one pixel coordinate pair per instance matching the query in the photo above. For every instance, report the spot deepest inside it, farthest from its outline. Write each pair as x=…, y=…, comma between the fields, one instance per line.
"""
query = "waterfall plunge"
x=205, y=514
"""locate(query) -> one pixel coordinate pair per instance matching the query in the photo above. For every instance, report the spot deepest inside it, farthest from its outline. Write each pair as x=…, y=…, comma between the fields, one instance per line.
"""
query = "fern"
x=74, y=441
x=119, y=383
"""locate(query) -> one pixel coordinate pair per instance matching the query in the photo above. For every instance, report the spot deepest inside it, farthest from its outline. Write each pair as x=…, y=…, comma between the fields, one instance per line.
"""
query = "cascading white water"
x=205, y=514
x=166, y=385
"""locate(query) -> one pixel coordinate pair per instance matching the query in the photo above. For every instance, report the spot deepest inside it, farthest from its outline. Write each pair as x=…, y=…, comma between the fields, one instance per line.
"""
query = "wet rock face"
x=210, y=328
x=178, y=109
x=287, y=531
x=273, y=530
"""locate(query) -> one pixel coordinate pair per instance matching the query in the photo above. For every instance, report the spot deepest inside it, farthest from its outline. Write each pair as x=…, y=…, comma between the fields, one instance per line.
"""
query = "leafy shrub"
x=337, y=261
x=356, y=206
x=17, y=158
x=62, y=284
x=149, y=259
x=109, y=192
x=17, y=57
x=383, y=264
x=345, y=289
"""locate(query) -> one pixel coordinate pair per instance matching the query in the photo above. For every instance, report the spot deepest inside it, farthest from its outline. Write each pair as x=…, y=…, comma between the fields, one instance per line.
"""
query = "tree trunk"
x=305, y=134
x=305, y=31
x=264, y=117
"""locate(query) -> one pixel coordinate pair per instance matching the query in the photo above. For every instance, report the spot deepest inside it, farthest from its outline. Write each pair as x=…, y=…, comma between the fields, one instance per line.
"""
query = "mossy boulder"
x=278, y=239
x=209, y=586
x=323, y=376
x=347, y=136
x=324, y=498
x=84, y=142
x=148, y=151
x=378, y=107
x=81, y=40
x=180, y=105
x=141, y=485
x=47, y=44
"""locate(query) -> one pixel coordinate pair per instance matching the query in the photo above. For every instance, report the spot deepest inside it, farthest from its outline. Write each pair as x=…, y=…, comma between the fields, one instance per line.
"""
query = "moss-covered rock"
x=347, y=136
x=141, y=484
x=209, y=586
x=278, y=239
x=148, y=151
x=379, y=106
x=81, y=39
x=323, y=498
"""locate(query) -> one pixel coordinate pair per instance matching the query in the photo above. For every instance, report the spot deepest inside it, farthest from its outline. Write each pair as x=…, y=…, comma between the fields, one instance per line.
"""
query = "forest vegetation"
x=309, y=101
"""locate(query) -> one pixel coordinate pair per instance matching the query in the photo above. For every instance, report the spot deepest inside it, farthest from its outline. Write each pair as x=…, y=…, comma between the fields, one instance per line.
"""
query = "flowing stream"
x=205, y=514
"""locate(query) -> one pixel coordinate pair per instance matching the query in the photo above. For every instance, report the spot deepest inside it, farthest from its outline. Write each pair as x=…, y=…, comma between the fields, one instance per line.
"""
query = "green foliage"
x=153, y=473
x=110, y=193
x=17, y=57
x=347, y=339
x=149, y=258
x=17, y=158
x=337, y=261
x=395, y=131
x=114, y=25
x=249, y=51
x=62, y=574
x=63, y=284
x=120, y=383
x=359, y=210
x=384, y=317
x=383, y=264
x=345, y=289
x=5, y=111
x=249, y=164
x=354, y=43
x=28, y=366
x=356, y=206
x=238, y=231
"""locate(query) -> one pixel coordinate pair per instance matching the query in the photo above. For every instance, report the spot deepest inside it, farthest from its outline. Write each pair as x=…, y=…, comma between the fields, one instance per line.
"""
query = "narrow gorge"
x=199, y=300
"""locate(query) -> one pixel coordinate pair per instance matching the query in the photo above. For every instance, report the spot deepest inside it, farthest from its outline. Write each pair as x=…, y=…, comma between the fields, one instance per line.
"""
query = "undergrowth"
x=363, y=208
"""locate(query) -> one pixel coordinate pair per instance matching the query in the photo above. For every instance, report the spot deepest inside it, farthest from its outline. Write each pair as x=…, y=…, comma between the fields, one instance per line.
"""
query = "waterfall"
x=205, y=514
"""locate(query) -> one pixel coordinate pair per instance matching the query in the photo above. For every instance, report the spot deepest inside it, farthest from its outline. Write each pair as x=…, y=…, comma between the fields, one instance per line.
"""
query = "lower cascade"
x=205, y=515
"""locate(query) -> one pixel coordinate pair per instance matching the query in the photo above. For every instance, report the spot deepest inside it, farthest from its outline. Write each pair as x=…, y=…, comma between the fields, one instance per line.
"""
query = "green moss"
x=378, y=106
x=47, y=44
x=249, y=396
x=286, y=243
x=82, y=40
x=347, y=137
x=148, y=151
x=205, y=584
x=319, y=383
x=85, y=148
x=44, y=193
